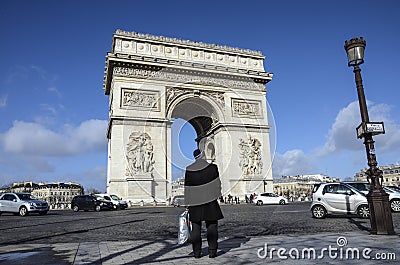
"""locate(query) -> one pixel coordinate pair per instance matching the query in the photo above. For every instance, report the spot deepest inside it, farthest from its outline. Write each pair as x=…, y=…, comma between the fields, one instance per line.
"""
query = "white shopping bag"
x=185, y=227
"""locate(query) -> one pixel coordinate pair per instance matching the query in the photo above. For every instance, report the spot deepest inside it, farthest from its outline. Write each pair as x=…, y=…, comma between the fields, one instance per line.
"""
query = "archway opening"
x=183, y=143
x=193, y=119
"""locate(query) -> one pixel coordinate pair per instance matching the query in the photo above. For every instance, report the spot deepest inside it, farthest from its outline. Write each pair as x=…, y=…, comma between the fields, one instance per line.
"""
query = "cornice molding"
x=223, y=48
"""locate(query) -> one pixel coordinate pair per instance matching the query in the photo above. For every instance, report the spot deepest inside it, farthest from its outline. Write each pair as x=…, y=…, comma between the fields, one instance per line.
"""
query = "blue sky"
x=53, y=112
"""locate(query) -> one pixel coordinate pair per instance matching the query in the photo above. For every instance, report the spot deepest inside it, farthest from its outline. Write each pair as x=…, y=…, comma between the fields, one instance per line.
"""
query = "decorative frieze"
x=217, y=96
x=133, y=98
x=133, y=72
x=250, y=156
x=174, y=92
x=139, y=154
x=190, y=78
x=246, y=108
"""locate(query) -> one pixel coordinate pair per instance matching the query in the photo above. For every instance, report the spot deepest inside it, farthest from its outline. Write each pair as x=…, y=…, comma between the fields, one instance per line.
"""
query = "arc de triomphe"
x=219, y=90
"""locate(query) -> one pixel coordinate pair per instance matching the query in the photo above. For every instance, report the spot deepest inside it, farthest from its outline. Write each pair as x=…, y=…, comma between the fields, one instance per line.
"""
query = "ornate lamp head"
x=355, y=51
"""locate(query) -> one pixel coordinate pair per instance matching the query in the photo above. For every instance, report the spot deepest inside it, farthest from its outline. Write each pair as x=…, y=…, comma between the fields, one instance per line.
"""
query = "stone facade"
x=23, y=186
x=219, y=90
x=391, y=175
x=299, y=187
x=58, y=195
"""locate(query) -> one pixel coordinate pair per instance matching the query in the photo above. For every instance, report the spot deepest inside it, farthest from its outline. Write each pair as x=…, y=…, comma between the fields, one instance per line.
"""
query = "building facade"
x=178, y=187
x=24, y=186
x=299, y=187
x=58, y=195
x=391, y=175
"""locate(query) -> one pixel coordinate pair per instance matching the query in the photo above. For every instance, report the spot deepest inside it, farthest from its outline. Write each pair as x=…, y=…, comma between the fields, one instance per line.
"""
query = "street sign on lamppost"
x=378, y=199
x=374, y=128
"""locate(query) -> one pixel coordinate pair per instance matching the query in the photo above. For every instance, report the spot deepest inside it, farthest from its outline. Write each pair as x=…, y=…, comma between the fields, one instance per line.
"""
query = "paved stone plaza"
x=148, y=235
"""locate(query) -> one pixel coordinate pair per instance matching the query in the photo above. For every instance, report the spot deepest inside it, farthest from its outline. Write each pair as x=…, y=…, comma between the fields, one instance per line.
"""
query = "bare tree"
x=92, y=191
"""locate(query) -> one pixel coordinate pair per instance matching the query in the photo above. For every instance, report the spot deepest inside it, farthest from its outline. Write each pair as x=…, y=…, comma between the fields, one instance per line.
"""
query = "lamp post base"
x=380, y=213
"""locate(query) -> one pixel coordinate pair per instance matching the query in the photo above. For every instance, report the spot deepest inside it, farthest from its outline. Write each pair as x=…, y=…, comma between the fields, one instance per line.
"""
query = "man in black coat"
x=202, y=189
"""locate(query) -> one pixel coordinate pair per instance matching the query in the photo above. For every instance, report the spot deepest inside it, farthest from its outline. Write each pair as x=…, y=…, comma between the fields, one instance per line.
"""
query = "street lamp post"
x=378, y=199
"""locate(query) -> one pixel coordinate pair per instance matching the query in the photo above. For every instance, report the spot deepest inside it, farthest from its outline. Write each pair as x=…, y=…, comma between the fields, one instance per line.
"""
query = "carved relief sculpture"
x=134, y=98
x=139, y=154
x=246, y=108
x=250, y=156
x=173, y=93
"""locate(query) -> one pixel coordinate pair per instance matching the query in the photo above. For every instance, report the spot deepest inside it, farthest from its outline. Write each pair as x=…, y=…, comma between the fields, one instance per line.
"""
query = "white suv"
x=22, y=203
x=119, y=204
x=338, y=198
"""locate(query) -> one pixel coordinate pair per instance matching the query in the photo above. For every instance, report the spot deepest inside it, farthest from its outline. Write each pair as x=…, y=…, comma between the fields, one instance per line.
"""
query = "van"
x=118, y=203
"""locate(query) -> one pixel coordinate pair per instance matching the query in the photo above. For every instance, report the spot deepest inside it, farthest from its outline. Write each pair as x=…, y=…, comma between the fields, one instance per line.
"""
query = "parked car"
x=118, y=203
x=394, y=195
x=269, y=198
x=22, y=204
x=178, y=200
x=394, y=198
x=362, y=186
x=338, y=198
x=90, y=202
x=396, y=188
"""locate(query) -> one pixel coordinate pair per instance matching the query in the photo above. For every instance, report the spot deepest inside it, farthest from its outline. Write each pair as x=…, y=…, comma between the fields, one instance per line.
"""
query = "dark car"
x=90, y=202
x=178, y=200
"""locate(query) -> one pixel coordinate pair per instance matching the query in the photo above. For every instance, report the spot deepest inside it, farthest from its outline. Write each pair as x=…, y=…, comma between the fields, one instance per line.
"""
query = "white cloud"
x=92, y=178
x=89, y=178
x=342, y=135
x=293, y=162
x=17, y=73
x=3, y=101
x=48, y=108
x=24, y=164
x=34, y=139
x=55, y=91
x=42, y=73
x=342, y=148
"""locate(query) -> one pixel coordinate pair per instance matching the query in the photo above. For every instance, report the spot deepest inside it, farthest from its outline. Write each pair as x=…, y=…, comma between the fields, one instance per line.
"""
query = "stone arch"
x=203, y=114
x=219, y=90
x=200, y=111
